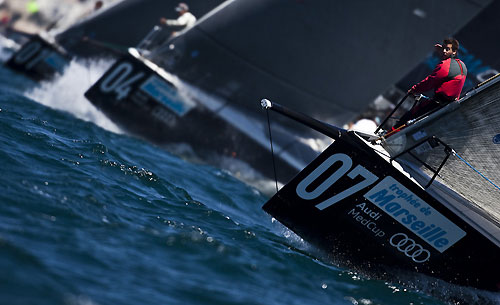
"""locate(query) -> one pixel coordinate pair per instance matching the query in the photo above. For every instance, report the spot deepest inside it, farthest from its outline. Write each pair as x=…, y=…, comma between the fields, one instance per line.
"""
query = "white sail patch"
x=414, y=213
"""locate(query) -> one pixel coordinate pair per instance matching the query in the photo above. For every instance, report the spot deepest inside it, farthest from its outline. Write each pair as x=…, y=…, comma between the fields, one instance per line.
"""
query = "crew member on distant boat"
x=185, y=19
x=447, y=81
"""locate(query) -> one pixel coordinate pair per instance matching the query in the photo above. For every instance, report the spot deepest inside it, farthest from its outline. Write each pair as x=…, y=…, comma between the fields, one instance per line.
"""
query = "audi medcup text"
x=368, y=223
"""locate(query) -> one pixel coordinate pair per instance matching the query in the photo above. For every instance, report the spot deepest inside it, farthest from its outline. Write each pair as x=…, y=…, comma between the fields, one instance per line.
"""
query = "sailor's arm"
x=181, y=21
x=432, y=81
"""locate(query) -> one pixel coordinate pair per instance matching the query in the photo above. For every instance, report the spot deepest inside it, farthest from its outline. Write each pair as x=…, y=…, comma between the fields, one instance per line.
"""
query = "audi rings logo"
x=409, y=247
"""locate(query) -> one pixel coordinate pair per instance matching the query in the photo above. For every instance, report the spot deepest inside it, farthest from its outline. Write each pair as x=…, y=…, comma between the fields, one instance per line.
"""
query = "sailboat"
x=427, y=204
x=243, y=48
x=106, y=32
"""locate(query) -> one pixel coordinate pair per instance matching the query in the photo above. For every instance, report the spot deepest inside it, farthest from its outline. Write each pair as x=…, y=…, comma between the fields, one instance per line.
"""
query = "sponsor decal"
x=409, y=248
x=164, y=93
x=345, y=162
x=414, y=213
x=368, y=220
x=496, y=139
x=56, y=61
x=388, y=195
x=419, y=135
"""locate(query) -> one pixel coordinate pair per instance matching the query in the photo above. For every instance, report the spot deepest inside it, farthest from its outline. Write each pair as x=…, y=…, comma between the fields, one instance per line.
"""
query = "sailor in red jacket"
x=447, y=80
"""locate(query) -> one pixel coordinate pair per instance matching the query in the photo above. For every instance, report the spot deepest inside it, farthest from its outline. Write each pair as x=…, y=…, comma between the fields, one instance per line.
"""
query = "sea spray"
x=66, y=92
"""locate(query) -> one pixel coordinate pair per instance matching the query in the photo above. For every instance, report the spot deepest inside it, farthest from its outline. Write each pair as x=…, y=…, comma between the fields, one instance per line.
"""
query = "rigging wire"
x=381, y=153
x=272, y=150
x=463, y=160
x=481, y=174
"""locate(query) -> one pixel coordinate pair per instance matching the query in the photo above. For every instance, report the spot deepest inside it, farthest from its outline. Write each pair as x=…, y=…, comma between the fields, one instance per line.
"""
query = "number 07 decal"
x=346, y=164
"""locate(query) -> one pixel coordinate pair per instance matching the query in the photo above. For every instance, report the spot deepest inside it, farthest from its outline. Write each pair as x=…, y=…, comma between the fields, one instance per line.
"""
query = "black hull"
x=377, y=236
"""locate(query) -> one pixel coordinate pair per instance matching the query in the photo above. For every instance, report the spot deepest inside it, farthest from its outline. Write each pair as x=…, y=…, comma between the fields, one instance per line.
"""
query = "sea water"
x=90, y=215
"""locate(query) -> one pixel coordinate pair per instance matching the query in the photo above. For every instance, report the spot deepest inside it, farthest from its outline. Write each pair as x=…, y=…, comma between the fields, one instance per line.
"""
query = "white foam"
x=66, y=92
x=7, y=48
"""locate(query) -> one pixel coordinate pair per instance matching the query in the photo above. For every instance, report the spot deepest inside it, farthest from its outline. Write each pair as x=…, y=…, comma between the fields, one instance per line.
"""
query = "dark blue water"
x=89, y=216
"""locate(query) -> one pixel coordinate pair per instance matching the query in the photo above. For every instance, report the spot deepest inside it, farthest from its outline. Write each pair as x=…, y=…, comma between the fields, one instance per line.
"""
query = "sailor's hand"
x=438, y=48
x=163, y=21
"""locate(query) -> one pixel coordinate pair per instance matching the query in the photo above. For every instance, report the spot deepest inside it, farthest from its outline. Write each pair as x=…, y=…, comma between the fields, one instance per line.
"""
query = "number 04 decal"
x=346, y=164
x=118, y=80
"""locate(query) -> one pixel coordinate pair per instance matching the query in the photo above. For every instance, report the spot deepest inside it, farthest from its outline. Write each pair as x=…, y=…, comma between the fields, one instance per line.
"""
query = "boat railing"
x=433, y=142
x=148, y=40
x=406, y=124
x=389, y=116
